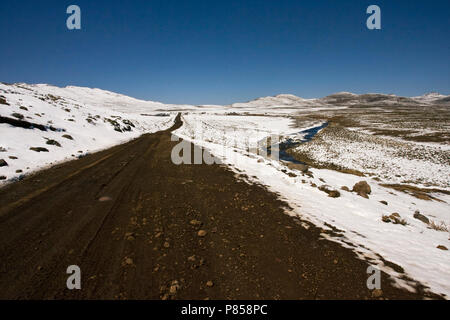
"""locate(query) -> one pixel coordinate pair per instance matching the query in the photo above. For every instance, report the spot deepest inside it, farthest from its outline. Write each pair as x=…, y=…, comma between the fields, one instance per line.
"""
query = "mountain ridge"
x=343, y=98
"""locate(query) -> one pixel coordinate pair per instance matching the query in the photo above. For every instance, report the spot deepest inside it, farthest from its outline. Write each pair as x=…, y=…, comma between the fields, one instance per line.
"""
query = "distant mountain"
x=281, y=100
x=342, y=99
x=346, y=98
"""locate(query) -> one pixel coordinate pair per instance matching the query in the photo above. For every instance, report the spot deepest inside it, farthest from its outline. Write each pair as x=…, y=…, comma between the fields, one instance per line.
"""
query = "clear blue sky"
x=227, y=51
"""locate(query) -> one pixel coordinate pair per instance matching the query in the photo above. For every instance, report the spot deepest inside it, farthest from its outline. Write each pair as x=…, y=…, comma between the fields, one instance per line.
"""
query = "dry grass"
x=393, y=218
x=420, y=193
x=439, y=226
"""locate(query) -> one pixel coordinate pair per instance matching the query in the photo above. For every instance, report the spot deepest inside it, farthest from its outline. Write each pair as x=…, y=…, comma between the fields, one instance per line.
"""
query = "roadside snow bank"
x=413, y=246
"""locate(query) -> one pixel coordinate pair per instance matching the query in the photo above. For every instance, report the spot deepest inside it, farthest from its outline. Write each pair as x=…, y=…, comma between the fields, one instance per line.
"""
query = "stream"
x=289, y=143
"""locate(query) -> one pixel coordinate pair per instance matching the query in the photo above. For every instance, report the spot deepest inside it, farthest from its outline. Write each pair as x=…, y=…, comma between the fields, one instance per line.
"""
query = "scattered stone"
x=195, y=222
x=298, y=166
x=209, y=284
x=334, y=194
x=345, y=188
x=173, y=290
x=331, y=193
x=442, y=247
x=128, y=261
x=362, y=188
x=3, y=163
x=130, y=236
x=166, y=245
x=393, y=218
x=377, y=293
x=174, y=287
x=2, y=149
x=23, y=108
x=292, y=175
x=202, y=233
x=191, y=258
x=2, y=178
x=17, y=115
x=53, y=143
x=39, y=149
x=13, y=158
x=3, y=101
x=67, y=136
x=260, y=160
x=104, y=199
x=19, y=171
x=384, y=202
x=421, y=217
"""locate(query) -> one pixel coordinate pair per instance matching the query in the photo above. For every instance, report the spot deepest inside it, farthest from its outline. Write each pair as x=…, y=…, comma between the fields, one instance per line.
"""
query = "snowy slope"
x=412, y=246
x=74, y=121
x=289, y=102
x=431, y=97
x=281, y=100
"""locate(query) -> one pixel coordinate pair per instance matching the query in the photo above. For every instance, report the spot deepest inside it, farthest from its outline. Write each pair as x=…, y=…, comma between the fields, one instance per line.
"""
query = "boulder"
x=298, y=166
x=394, y=218
x=67, y=136
x=331, y=193
x=202, y=233
x=334, y=194
x=53, y=143
x=377, y=293
x=421, y=217
x=39, y=149
x=17, y=115
x=362, y=188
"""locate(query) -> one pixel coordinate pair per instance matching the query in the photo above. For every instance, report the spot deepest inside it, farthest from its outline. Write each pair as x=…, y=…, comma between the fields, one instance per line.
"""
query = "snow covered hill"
x=341, y=99
x=41, y=125
x=281, y=100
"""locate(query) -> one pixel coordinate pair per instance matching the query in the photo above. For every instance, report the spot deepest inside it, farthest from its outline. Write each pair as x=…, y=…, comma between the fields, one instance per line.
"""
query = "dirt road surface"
x=130, y=219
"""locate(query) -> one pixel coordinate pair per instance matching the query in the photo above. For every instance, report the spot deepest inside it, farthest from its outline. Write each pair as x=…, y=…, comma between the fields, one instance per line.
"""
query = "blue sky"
x=227, y=51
